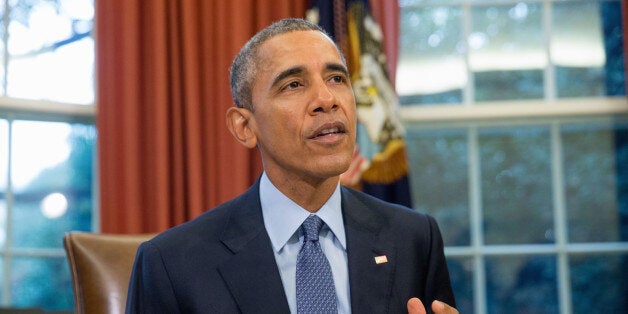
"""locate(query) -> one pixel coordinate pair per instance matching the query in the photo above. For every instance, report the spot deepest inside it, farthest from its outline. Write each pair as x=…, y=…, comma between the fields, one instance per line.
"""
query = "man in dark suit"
x=294, y=102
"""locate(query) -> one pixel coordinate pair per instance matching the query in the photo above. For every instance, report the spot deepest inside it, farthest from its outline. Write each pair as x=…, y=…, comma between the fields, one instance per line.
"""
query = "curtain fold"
x=165, y=155
x=386, y=14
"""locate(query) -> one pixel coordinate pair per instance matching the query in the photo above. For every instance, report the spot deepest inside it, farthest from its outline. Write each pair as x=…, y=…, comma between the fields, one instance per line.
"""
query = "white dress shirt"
x=283, y=219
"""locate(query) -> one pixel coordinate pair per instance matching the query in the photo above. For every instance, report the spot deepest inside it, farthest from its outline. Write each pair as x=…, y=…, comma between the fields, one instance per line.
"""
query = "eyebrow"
x=300, y=69
x=337, y=67
x=287, y=73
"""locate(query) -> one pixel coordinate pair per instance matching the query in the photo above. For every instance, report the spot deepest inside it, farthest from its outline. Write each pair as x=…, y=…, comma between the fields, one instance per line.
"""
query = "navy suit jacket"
x=223, y=261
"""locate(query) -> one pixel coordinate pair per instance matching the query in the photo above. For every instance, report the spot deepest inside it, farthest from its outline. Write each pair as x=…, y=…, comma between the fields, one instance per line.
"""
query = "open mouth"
x=329, y=129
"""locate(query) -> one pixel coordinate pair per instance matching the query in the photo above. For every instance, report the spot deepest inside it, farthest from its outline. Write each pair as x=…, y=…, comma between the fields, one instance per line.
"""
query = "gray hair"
x=244, y=66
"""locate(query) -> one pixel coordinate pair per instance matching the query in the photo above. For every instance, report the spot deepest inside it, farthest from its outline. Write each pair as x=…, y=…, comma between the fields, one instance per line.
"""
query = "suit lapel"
x=252, y=274
x=370, y=282
x=254, y=280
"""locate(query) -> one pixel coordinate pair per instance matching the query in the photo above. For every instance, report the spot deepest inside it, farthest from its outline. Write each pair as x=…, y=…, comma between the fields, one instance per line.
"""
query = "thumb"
x=440, y=307
x=415, y=306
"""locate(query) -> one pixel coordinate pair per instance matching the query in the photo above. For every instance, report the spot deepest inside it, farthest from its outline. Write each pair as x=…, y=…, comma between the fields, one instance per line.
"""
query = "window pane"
x=520, y=284
x=2, y=275
x=438, y=162
x=4, y=154
x=2, y=48
x=461, y=275
x=615, y=78
x=52, y=177
x=432, y=65
x=4, y=159
x=516, y=185
x=41, y=282
x=579, y=60
x=591, y=154
x=598, y=283
x=507, y=52
x=3, y=223
x=51, y=50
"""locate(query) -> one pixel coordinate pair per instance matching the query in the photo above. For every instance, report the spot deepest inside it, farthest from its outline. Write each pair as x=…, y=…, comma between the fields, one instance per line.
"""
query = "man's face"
x=304, y=115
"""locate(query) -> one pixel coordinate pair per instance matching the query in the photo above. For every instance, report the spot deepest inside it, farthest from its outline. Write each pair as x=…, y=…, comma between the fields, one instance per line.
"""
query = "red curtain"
x=165, y=154
x=386, y=14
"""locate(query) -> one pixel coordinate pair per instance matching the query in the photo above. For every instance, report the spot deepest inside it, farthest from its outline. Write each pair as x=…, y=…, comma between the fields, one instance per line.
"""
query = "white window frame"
x=505, y=113
x=552, y=111
x=12, y=109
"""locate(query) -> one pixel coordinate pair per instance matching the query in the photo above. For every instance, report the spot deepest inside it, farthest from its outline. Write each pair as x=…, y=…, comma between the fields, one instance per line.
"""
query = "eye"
x=338, y=79
x=292, y=85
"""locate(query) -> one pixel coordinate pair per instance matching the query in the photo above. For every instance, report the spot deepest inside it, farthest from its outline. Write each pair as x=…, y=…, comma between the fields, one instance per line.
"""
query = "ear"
x=241, y=123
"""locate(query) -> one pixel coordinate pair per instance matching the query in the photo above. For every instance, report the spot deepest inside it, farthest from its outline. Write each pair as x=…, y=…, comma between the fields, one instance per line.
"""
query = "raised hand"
x=415, y=306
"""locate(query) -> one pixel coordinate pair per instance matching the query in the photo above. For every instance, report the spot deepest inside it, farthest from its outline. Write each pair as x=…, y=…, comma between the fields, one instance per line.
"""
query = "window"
x=517, y=138
x=47, y=139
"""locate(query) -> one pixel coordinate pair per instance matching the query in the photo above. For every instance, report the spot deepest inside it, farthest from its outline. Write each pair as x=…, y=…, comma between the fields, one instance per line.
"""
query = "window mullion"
x=477, y=239
x=560, y=220
x=8, y=243
x=468, y=90
x=549, y=84
x=5, y=51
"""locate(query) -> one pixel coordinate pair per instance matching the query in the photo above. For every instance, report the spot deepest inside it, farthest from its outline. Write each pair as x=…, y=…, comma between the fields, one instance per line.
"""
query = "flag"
x=379, y=165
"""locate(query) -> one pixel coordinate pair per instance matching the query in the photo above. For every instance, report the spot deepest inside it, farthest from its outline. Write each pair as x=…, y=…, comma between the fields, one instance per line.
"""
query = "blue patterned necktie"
x=315, y=284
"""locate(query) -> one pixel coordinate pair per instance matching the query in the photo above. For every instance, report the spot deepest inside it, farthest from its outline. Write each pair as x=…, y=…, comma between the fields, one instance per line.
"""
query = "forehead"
x=298, y=47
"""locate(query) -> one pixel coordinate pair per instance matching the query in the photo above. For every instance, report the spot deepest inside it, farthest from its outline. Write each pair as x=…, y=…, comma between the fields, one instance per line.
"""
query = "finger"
x=441, y=308
x=415, y=306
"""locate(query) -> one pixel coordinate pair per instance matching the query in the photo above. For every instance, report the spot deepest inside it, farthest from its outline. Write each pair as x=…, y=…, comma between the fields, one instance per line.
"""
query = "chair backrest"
x=101, y=268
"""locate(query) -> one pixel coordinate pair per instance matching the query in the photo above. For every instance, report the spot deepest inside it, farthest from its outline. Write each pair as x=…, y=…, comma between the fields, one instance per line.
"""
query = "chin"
x=334, y=168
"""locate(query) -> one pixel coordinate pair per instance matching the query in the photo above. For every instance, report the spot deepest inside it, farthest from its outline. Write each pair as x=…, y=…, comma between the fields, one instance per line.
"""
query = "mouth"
x=329, y=130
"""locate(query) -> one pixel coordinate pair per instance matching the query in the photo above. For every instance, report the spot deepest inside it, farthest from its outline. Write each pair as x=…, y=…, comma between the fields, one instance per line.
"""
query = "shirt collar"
x=283, y=217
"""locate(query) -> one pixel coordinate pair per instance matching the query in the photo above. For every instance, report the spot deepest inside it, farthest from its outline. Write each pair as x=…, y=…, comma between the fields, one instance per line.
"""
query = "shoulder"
x=366, y=212
x=210, y=226
x=367, y=204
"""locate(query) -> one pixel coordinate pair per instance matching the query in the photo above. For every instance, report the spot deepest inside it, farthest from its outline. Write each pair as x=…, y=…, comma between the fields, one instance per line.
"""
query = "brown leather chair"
x=101, y=268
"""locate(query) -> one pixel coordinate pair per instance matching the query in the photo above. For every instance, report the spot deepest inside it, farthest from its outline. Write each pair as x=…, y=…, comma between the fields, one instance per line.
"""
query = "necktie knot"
x=311, y=227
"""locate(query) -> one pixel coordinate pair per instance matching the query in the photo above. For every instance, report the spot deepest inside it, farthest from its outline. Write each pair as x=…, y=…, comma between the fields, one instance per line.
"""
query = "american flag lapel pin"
x=381, y=259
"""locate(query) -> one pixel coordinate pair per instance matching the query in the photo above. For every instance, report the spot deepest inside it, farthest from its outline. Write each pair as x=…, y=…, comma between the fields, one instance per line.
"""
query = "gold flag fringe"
x=389, y=165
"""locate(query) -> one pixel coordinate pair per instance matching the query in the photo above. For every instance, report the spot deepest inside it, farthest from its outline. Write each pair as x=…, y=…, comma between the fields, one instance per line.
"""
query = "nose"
x=324, y=99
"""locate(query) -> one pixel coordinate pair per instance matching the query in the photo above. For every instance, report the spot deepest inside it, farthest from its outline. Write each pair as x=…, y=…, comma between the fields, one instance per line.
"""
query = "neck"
x=309, y=193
